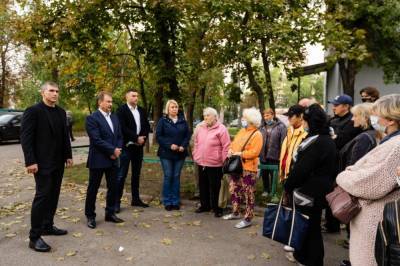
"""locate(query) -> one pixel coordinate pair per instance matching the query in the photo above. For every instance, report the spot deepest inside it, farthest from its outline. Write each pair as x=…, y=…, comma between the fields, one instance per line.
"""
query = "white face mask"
x=244, y=123
x=375, y=124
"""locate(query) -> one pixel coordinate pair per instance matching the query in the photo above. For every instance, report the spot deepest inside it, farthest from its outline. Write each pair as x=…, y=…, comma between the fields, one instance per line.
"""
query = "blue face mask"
x=244, y=124
x=269, y=122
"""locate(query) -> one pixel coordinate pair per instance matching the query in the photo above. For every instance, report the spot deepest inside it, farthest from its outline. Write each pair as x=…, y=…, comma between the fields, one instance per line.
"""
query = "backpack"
x=387, y=242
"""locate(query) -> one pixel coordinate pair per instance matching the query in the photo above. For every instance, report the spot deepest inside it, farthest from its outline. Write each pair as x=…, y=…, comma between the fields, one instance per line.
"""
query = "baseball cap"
x=342, y=99
x=295, y=110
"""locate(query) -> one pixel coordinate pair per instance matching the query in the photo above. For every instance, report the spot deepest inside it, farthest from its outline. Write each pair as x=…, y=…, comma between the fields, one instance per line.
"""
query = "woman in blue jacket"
x=173, y=137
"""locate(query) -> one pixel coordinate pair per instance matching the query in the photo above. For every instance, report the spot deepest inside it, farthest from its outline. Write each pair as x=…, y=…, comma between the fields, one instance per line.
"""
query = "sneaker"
x=264, y=194
x=290, y=257
x=288, y=248
x=231, y=216
x=242, y=224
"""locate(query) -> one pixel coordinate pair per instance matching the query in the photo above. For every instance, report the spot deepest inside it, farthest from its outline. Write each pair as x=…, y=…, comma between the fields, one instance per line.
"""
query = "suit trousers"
x=210, y=184
x=130, y=156
x=44, y=205
x=95, y=176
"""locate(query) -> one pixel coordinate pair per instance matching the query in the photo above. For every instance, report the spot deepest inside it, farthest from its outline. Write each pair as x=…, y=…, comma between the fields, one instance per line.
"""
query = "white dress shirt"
x=136, y=116
x=107, y=116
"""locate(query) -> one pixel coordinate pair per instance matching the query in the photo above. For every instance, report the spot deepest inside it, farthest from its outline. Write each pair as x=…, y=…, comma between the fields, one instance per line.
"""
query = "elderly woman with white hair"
x=372, y=179
x=173, y=137
x=247, y=144
x=211, y=145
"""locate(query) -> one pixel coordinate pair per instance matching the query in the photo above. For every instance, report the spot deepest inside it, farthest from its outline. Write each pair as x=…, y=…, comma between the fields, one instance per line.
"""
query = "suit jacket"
x=128, y=124
x=102, y=141
x=37, y=137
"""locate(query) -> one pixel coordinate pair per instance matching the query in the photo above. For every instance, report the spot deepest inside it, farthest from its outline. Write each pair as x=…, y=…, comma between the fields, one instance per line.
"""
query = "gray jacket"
x=273, y=137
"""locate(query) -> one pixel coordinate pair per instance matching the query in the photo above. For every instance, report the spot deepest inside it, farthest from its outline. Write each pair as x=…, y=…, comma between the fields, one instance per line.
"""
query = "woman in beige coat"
x=373, y=180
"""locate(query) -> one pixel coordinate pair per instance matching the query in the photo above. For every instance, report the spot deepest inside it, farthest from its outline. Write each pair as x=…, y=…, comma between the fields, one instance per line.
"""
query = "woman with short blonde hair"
x=173, y=137
x=361, y=113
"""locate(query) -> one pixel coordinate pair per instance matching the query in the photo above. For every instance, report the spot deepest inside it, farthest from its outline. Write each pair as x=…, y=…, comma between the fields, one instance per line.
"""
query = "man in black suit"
x=105, y=139
x=135, y=130
x=47, y=148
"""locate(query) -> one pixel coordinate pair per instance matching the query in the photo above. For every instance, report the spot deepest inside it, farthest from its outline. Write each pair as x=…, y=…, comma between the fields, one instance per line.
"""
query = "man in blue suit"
x=105, y=138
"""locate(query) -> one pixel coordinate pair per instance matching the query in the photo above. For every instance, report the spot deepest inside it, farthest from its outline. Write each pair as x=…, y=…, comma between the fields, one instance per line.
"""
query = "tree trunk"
x=190, y=108
x=141, y=82
x=348, y=71
x=3, y=78
x=165, y=29
x=255, y=86
x=267, y=74
x=157, y=109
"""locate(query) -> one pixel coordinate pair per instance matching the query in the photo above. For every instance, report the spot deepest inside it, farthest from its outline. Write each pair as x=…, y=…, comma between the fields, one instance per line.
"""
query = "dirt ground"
x=149, y=236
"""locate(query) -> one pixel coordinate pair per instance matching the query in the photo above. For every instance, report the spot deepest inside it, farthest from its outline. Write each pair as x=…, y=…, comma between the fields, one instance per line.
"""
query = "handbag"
x=285, y=225
x=224, y=193
x=233, y=164
x=343, y=205
x=387, y=242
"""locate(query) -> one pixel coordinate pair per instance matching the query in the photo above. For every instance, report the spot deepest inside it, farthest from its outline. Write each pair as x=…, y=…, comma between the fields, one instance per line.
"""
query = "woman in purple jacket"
x=211, y=145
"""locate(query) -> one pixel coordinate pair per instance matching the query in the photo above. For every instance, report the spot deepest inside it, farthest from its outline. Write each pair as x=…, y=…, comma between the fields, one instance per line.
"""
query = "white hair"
x=210, y=111
x=252, y=116
x=388, y=107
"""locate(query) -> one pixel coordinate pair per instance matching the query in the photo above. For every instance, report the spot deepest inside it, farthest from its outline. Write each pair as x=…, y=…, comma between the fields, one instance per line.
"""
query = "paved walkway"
x=148, y=237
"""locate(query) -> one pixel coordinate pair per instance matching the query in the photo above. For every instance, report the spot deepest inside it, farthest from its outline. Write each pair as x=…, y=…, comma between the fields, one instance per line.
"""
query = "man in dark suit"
x=135, y=130
x=47, y=148
x=105, y=139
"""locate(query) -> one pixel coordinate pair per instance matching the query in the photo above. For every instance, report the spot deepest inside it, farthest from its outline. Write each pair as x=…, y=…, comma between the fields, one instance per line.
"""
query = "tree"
x=362, y=32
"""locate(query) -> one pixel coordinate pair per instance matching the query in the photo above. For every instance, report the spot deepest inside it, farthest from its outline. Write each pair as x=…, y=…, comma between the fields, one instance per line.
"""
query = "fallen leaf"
x=145, y=225
x=166, y=241
x=211, y=237
x=135, y=215
x=120, y=224
x=196, y=223
x=77, y=234
x=99, y=233
x=71, y=253
x=60, y=259
x=129, y=259
x=265, y=256
x=178, y=214
x=11, y=235
x=251, y=257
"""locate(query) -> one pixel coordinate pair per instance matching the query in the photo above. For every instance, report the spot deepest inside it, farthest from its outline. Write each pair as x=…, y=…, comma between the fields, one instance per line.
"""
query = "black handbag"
x=233, y=164
x=285, y=225
x=387, y=242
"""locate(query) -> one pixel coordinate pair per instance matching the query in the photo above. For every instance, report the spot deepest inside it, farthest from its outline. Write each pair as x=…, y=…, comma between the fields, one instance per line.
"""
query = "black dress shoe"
x=54, y=231
x=139, y=203
x=39, y=245
x=117, y=209
x=114, y=219
x=176, y=207
x=218, y=214
x=201, y=209
x=168, y=208
x=91, y=223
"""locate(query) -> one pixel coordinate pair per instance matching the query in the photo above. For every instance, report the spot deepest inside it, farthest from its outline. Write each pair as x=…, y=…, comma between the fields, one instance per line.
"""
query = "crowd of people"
x=358, y=149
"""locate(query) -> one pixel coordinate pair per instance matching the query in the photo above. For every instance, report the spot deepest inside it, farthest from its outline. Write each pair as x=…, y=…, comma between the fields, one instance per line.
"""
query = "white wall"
x=367, y=76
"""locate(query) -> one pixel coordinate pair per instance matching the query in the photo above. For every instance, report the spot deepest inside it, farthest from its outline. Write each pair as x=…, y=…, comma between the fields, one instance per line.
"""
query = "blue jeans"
x=171, y=186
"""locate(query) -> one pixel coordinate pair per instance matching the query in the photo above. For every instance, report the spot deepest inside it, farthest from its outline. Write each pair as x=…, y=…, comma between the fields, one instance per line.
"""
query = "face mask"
x=269, y=122
x=244, y=123
x=375, y=124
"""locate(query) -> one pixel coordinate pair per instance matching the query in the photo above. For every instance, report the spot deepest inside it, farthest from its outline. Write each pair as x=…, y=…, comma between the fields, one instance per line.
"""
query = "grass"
x=152, y=178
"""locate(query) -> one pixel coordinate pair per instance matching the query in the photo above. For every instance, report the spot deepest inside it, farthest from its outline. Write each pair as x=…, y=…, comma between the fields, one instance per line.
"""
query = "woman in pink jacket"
x=211, y=145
